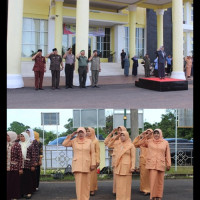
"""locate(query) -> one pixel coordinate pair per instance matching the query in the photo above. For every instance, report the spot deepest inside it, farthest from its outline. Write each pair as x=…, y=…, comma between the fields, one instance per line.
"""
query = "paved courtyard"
x=114, y=92
x=173, y=189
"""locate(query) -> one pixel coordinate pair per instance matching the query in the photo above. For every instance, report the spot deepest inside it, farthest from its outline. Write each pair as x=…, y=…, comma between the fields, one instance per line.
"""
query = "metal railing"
x=59, y=157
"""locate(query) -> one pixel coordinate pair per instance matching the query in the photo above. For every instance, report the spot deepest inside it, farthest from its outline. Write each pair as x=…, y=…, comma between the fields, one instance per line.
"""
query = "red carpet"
x=162, y=80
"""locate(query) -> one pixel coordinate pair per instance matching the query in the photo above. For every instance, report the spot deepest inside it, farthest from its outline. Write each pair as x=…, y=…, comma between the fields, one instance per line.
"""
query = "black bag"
x=68, y=170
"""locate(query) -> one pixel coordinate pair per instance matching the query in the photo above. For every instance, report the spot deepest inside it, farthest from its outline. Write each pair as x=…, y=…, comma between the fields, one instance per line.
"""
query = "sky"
x=32, y=117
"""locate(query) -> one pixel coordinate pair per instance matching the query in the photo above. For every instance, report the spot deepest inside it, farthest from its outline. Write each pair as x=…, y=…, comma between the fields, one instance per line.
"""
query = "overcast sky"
x=32, y=117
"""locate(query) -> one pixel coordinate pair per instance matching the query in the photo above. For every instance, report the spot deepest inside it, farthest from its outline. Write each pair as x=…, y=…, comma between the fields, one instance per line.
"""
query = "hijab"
x=13, y=137
x=123, y=147
x=25, y=144
x=32, y=136
x=84, y=131
x=151, y=136
x=92, y=132
x=161, y=136
x=37, y=136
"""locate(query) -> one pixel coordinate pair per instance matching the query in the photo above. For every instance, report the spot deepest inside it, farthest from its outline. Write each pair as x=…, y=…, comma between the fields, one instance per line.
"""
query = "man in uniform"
x=82, y=68
x=95, y=68
x=69, y=68
x=56, y=61
x=123, y=55
x=39, y=68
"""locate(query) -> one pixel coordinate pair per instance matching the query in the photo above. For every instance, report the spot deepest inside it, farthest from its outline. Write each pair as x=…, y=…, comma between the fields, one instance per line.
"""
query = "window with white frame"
x=34, y=36
x=103, y=44
x=126, y=48
x=139, y=42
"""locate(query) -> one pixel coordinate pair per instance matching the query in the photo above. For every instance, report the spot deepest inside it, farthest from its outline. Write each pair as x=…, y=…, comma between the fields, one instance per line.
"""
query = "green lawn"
x=187, y=170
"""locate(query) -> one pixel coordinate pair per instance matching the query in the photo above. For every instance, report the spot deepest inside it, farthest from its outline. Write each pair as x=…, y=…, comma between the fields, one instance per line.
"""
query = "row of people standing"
x=23, y=164
x=56, y=65
x=160, y=62
x=154, y=158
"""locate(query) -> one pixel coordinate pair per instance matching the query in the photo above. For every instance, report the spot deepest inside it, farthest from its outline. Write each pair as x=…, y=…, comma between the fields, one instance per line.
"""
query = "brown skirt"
x=82, y=185
x=156, y=183
x=123, y=187
x=13, y=185
x=26, y=182
x=144, y=179
x=93, y=180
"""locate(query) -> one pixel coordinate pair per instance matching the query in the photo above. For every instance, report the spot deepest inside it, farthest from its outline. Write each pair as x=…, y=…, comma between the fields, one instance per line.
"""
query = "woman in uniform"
x=90, y=134
x=158, y=158
x=124, y=166
x=144, y=173
x=83, y=161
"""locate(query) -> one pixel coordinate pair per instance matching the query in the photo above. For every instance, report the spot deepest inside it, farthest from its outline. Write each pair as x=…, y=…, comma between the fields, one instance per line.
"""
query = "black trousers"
x=82, y=71
x=55, y=78
x=122, y=63
x=169, y=68
x=37, y=169
x=161, y=70
x=69, y=73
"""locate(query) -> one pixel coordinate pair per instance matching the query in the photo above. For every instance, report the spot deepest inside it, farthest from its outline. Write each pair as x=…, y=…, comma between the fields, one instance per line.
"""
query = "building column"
x=159, y=13
x=82, y=31
x=188, y=44
x=58, y=25
x=14, y=43
x=132, y=30
x=119, y=41
x=177, y=37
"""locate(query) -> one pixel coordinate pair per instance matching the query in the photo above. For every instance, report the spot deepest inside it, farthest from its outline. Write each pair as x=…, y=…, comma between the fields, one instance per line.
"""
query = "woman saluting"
x=83, y=161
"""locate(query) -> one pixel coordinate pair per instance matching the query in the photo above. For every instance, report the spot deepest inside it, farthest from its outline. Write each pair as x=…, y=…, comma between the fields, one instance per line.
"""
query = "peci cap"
x=82, y=51
x=94, y=51
x=54, y=49
x=39, y=50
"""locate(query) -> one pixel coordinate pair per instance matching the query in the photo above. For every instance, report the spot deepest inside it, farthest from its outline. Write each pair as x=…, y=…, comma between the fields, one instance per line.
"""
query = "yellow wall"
x=36, y=9
x=102, y=154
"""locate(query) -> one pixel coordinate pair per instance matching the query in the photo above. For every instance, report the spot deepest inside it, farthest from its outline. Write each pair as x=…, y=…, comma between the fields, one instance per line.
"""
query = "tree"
x=17, y=127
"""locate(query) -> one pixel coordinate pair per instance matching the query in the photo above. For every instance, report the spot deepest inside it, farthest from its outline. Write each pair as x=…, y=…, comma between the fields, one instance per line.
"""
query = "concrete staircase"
x=107, y=69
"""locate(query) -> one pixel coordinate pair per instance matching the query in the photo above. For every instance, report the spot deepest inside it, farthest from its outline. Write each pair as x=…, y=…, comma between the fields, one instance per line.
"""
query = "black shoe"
x=57, y=87
x=53, y=88
x=146, y=193
x=97, y=86
x=36, y=88
x=114, y=194
x=41, y=89
x=92, y=194
x=93, y=86
x=66, y=87
x=84, y=87
x=71, y=87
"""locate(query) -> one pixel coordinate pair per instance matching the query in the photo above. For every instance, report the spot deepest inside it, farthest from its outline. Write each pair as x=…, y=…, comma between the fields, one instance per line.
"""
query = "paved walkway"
x=114, y=92
x=174, y=189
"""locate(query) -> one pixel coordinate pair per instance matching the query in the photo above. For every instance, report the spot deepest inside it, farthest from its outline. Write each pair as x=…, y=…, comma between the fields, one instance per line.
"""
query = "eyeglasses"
x=156, y=132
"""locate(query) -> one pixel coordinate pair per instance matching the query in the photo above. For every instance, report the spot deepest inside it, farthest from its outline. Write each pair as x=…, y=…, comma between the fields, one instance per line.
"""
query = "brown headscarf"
x=84, y=131
x=161, y=136
x=92, y=131
x=123, y=147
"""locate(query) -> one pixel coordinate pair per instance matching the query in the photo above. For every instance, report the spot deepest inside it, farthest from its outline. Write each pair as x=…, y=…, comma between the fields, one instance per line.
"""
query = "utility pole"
x=125, y=118
x=135, y=132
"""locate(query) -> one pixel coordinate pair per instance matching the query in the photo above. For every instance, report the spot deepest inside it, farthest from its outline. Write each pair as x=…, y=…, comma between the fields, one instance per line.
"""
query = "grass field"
x=181, y=171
